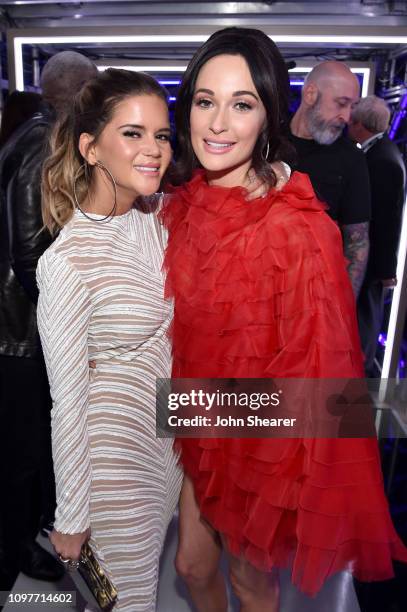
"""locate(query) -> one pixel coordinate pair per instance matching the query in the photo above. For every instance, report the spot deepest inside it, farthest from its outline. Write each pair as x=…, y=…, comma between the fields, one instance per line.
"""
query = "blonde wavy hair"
x=65, y=171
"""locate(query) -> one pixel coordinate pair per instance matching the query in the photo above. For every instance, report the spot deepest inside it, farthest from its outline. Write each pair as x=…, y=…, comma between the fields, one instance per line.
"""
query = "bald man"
x=25, y=459
x=368, y=126
x=337, y=169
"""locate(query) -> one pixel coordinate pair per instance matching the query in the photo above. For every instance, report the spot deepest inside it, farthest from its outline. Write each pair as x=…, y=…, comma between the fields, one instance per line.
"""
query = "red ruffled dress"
x=261, y=290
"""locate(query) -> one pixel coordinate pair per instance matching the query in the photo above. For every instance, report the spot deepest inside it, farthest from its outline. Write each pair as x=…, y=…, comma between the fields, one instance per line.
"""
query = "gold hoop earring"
x=106, y=171
x=265, y=157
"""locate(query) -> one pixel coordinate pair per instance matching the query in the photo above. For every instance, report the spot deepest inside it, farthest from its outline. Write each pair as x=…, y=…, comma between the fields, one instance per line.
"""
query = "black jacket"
x=22, y=236
x=387, y=182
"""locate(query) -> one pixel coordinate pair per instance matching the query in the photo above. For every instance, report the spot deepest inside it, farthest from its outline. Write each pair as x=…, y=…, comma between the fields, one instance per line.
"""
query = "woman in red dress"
x=261, y=291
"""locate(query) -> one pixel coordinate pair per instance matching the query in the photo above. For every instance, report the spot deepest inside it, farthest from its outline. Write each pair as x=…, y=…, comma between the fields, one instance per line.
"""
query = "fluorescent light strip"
x=180, y=38
x=312, y=38
x=301, y=69
x=395, y=303
x=120, y=38
x=147, y=68
x=181, y=67
x=178, y=82
x=364, y=72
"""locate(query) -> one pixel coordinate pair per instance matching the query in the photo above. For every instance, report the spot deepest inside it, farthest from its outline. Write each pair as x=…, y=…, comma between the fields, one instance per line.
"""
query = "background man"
x=368, y=125
x=26, y=465
x=336, y=167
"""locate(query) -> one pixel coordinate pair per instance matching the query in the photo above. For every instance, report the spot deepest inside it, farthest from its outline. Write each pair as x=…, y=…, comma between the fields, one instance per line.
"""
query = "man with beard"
x=337, y=168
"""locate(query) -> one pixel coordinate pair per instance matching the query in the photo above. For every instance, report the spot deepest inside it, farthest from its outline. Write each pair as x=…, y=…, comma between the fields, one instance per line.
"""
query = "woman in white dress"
x=101, y=299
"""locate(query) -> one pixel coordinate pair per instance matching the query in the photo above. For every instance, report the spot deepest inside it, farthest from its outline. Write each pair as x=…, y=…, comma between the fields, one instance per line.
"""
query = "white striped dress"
x=101, y=298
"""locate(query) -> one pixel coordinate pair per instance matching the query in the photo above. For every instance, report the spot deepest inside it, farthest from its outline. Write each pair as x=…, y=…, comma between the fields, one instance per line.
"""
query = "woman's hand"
x=68, y=546
x=256, y=187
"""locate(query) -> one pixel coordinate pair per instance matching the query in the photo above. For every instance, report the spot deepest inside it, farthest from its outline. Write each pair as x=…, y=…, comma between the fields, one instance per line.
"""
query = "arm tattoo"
x=356, y=250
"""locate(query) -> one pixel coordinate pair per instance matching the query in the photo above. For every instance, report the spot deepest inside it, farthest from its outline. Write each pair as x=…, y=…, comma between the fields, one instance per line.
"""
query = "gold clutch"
x=99, y=584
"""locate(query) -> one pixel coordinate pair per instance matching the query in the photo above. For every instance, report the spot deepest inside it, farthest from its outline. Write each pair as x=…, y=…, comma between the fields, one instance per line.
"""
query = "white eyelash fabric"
x=101, y=298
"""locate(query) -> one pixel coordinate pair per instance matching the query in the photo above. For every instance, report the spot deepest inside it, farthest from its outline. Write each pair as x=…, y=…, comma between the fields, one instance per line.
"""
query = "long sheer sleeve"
x=64, y=309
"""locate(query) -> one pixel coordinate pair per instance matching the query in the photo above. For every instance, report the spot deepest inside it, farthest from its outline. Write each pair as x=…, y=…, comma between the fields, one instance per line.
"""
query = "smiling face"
x=227, y=117
x=134, y=147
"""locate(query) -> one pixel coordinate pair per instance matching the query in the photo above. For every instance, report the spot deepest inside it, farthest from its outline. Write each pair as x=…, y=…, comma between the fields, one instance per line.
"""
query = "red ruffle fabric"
x=261, y=290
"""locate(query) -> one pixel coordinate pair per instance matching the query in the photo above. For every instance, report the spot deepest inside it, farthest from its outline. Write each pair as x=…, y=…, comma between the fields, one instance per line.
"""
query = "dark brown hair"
x=92, y=109
x=270, y=78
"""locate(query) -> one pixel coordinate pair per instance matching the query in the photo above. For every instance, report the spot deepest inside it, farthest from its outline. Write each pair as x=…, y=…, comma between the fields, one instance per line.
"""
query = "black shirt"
x=339, y=175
